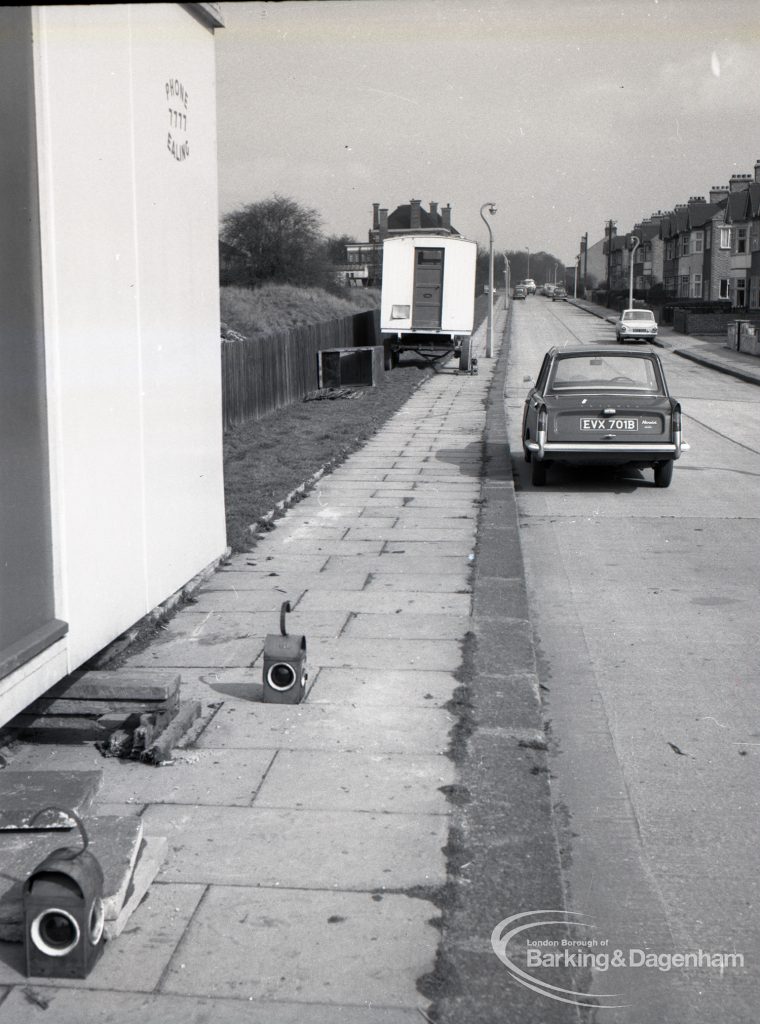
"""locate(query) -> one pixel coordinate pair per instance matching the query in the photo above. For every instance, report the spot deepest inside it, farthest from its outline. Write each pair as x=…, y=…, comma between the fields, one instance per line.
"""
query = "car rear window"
x=620, y=372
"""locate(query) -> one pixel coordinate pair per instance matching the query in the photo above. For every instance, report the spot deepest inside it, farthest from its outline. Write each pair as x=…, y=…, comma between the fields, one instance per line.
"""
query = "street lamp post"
x=527, y=273
x=507, y=276
x=575, y=282
x=489, y=341
x=635, y=241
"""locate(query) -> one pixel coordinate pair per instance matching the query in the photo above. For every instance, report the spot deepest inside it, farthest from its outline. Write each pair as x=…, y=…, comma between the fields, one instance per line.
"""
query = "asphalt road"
x=645, y=603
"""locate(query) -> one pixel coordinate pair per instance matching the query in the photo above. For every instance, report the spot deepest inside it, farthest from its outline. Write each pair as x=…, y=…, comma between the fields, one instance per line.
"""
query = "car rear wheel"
x=537, y=473
x=663, y=473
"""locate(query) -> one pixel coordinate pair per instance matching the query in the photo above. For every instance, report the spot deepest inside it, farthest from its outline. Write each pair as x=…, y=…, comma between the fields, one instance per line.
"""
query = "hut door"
x=428, y=289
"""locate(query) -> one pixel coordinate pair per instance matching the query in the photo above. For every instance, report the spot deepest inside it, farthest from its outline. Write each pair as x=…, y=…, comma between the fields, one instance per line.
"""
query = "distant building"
x=364, y=260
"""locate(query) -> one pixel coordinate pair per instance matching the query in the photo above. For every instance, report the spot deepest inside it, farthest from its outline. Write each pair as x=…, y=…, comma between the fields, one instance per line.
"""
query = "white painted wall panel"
x=131, y=310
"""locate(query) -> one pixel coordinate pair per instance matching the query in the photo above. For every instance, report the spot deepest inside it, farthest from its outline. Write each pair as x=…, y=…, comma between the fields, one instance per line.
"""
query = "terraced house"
x=695, y=264
x=740, y=234
x=707, y=249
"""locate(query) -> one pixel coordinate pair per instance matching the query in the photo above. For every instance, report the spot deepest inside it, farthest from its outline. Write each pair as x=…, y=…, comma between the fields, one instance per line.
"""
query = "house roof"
x=401, y=220
x=744, y=204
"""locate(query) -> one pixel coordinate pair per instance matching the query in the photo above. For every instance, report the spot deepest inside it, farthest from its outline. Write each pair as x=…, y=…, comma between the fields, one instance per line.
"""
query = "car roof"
x=605, y=350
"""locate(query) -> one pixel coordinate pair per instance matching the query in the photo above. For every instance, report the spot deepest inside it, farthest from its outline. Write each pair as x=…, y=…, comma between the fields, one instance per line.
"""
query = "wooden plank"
x=118, y=685
x=96, y=708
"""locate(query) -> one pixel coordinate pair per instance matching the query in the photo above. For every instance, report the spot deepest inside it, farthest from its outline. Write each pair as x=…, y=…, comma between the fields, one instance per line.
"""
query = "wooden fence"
x=262, y=374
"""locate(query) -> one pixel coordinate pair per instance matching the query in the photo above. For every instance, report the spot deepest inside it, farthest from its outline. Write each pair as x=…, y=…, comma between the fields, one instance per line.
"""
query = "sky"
x=562, y=114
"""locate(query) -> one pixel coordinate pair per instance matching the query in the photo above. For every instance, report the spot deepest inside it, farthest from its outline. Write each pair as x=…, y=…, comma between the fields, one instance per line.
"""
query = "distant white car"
x=529, y=285
x=636, y=324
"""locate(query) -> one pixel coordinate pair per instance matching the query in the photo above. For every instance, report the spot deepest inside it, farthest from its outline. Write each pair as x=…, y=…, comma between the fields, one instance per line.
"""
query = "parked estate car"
x=558, y=293
x=530, y=285
x=519, y=292
x=602, y=406
x=634, y=324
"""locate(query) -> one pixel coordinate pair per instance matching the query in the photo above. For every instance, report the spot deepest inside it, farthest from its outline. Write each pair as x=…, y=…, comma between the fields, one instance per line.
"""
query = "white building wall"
x=129, y=229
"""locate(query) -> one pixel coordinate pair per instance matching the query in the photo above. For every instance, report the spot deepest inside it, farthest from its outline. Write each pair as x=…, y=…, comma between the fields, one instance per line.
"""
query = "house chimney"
x=739, y=182
x=383, y=220
x=375, y=217
x=414, y=213
x=696, y=199
x=718, y=193
x=434, y=211
x=446, y=216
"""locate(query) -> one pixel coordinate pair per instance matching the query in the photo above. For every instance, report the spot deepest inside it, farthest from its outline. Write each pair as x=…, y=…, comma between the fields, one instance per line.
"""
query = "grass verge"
x=265, y=460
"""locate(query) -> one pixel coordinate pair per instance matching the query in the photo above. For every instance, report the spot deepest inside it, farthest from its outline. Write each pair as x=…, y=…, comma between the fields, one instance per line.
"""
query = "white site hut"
x=111, y=485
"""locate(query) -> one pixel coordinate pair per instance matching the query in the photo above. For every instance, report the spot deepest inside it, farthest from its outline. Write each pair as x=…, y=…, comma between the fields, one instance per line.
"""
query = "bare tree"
x=278, y=240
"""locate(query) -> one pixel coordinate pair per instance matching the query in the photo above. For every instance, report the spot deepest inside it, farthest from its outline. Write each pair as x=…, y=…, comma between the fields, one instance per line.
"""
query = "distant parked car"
x=520, y=292
x=558, y=293
x=530, y=285
x=635, y=324
x=547, y=289
x=601, y=406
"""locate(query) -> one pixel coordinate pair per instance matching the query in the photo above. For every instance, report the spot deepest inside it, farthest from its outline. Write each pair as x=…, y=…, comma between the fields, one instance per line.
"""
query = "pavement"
x=310, y=862
x=346, y=859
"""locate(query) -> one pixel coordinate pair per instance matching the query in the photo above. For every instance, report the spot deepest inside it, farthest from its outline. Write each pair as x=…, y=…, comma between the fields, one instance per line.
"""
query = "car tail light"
x=677, y=418
x=543, y=419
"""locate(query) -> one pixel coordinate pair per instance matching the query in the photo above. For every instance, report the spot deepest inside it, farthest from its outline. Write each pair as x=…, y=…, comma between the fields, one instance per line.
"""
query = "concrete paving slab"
x=400, y=654
x=461, y=545
x=399, y=530
x=283, y=586
x=388, y=729
x=299, y=848
x=355, y=781
x=407, y=625
x=224, y=626
x=378, y=688
x=115, y=842
x=126, y=785
x=393, y=601
x=435, y=562
x=188, y=652
x=419, y=583
x=204, y=777
x=233, y=600
x=344, y=948
x=326, y=546
x=149, y=860
x=135, y=960
x=30, y=1004
x=24, y=793
x=264, y=560
x=409, y=514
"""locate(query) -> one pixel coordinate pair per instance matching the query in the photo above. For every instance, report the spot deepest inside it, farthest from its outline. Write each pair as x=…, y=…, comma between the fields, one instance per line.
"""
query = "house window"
x=684, y=245
x=725, y=238
x=754, y=293
x=708, y=238
x=683, y=286
x=696, y=286
x=697, y=241
x=741, y=239
x=724, y=288
x=741, y=293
